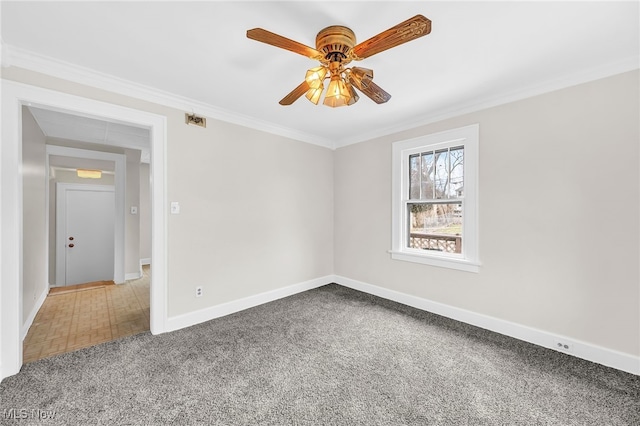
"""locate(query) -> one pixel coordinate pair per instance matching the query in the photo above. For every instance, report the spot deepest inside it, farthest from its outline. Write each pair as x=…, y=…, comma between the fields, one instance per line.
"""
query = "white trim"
x=32, y=315
x=145, y=261
x=580, y=349
x=223, y=309
x=11, y=318
x=14, y=96
x=451, y=263
x=159, y=227
x=132, y=276
x=33, y=61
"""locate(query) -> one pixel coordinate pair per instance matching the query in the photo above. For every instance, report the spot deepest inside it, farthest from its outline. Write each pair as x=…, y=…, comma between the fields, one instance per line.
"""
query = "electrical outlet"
x=198, y=291
x=562, y=346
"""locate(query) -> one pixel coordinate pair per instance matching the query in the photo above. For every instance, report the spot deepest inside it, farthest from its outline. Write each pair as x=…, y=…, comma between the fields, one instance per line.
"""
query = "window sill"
x=440, y=261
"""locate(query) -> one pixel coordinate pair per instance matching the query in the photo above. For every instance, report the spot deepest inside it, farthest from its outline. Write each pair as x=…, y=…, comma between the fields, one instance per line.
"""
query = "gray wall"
x=559, y=209
x=132, y=221
x=34, y=242
x=145, y=213
x=256, y=213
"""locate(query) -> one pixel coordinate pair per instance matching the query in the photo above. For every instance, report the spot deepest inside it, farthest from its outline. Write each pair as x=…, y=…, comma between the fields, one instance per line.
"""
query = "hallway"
x=70, y=320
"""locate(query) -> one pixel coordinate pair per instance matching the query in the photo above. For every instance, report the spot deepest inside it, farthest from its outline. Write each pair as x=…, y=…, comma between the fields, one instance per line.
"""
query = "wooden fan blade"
x=408, y=30
x=276, y=40
x=373, y=91
x=295, y=94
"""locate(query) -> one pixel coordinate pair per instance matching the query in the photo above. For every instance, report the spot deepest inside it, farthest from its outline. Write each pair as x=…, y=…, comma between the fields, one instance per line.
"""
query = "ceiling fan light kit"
x=335, y=48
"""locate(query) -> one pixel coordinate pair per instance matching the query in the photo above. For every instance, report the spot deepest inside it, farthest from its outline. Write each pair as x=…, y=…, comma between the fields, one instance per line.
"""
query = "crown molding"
x=5, y=54
x=21, y=58
x=14, y=56
x=584, y=76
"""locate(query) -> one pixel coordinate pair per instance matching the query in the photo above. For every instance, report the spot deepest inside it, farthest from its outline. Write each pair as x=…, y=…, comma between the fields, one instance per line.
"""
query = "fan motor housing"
x=335, y=43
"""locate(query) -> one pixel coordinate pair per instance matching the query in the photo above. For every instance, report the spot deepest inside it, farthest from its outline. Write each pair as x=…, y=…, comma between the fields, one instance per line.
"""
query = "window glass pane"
x=435, y=226
x=441, y=174
x=456, y=157
x=427, y=176
x=414, y=177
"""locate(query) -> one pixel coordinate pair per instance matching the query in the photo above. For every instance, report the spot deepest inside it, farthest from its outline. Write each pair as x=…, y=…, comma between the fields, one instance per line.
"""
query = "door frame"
x=14, y=96
x=61, y=225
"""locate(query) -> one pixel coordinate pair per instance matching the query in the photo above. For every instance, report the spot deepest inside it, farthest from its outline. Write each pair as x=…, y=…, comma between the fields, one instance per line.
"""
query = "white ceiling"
x=60, y=125
x=66, y=126
x=197, y=54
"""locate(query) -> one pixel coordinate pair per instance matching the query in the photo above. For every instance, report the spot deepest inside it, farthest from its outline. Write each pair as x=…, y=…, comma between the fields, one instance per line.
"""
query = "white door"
x=85, y=240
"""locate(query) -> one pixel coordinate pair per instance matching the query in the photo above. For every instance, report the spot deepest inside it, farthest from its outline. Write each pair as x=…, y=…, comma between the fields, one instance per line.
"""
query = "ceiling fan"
x=335, y=48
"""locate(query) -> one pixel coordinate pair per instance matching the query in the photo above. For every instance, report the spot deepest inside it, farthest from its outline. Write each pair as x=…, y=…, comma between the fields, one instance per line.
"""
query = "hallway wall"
x=132, y=268
x=34, y=245
x=145, y=213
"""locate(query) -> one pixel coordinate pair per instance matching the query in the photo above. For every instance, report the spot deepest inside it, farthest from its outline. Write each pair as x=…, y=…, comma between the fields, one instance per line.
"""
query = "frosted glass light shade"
x=314, y=94
x=354, y=96
x=337, y=93
x=315, y=76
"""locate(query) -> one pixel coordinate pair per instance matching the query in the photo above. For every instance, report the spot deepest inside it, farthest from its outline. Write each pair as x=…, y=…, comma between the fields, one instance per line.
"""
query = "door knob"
x=70, y=245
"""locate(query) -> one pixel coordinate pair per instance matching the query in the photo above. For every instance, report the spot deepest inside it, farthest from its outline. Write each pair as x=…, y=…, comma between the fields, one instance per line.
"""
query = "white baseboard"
x=32, y=315
x=132, y=276
x=145, y=261
x=197, y=317
x=580, y=349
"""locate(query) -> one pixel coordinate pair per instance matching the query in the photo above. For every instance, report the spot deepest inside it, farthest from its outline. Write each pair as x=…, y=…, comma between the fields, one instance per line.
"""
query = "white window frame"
x=468, y=260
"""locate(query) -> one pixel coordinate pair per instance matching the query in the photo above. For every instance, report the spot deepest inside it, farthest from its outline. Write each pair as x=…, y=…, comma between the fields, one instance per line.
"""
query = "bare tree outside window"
x=436, y=188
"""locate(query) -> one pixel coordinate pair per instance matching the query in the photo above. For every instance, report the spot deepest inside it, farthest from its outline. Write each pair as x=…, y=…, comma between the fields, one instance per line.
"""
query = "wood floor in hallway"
x=86, y=316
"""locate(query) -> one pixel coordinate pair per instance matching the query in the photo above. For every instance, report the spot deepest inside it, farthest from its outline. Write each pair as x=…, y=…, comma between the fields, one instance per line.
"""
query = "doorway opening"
x=15, y=318
x=89, y=172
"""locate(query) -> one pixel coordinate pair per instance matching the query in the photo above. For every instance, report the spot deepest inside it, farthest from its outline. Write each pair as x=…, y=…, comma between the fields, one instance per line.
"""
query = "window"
x=435, y=180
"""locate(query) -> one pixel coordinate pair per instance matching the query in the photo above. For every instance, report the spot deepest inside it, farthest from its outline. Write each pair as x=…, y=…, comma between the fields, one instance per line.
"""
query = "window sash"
x=424, y=170
x=436, y=233
x=429, y=183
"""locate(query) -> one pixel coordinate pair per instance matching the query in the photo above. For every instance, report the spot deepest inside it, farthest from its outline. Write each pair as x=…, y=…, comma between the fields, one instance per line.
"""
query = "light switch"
x=175, y=207
x=134, y=210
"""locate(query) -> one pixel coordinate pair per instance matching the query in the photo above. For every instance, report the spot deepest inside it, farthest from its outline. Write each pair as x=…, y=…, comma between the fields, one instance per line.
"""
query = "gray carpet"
x=329, y=356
